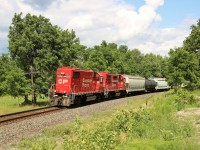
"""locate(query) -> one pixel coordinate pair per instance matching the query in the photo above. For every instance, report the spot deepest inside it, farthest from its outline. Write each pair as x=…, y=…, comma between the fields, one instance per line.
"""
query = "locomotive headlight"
x=54, y=90
x=64, y=91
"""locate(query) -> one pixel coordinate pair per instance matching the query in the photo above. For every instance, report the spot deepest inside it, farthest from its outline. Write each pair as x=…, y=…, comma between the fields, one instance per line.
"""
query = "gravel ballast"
x=12, y=133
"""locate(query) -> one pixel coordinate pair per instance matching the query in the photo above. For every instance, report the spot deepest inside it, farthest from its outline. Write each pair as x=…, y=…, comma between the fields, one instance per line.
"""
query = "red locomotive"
x=114, y=84
x=75, y=86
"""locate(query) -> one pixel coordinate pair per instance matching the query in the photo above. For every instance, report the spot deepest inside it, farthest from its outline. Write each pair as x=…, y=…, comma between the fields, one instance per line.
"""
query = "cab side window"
x=108, y=77
x=114, y=77
x=76, y=74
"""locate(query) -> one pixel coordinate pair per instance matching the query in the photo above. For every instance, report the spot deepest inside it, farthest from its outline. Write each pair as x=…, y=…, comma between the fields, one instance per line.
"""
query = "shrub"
x=101, y=137
x=185, y=98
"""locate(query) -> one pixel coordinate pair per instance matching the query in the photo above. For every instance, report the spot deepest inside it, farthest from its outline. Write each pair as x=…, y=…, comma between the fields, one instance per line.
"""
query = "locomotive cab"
x=76, y=86
x=63, y=82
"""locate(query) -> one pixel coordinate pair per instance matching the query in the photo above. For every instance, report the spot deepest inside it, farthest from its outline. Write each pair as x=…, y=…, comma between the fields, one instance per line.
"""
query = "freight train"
x=76, y=86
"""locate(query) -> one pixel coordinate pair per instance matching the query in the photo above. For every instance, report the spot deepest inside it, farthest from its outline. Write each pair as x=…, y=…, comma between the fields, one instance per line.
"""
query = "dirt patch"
x=192, y=114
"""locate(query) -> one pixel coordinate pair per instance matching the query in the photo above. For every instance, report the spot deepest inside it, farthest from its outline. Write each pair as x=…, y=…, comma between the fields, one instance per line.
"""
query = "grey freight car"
x=134, y=84
x=161, y=84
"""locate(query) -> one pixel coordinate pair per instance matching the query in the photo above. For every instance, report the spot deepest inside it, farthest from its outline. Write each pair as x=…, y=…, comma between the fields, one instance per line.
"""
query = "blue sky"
x=174, y=12
x=152, y=26
x=136, y=3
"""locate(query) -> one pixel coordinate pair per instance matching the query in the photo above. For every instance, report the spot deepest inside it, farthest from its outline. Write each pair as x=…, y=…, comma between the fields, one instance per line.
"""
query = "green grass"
x=9, y=104
x=196, y=92
x=148, y=144
x=138, y=126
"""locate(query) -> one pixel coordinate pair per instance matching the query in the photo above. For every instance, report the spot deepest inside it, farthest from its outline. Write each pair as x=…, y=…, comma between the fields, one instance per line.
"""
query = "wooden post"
x=32, y=84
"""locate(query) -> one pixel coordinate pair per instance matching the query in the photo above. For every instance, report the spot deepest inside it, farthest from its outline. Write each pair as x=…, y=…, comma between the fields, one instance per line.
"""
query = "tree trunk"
x=34, y=98
x=25, y=99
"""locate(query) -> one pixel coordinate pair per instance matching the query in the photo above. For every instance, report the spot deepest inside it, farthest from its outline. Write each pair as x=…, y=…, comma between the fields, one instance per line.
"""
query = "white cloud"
x=154, y=3
x=159, y=41
x=94, y=21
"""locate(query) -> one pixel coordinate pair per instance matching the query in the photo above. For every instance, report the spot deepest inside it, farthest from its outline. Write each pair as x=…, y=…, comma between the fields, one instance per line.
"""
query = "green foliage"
x=184, y=98
x=148, y=144
x=100, y=137
x=153, y=66
x=34, y=41
x=184, y=62
x=119, y=59
x=96, y=61
x=12, y=78
x=192, y=42
x=41, y=144
x=132, y=122
x=183, y=68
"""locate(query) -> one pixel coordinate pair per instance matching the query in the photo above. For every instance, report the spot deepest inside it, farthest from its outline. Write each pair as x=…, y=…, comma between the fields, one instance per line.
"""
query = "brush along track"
x=18, y=116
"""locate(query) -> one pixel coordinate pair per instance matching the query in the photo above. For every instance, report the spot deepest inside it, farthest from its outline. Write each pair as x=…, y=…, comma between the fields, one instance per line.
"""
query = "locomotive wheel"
x=123, y=94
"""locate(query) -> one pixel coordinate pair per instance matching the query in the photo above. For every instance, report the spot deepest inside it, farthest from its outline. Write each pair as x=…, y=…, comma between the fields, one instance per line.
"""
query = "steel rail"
x=15, y=117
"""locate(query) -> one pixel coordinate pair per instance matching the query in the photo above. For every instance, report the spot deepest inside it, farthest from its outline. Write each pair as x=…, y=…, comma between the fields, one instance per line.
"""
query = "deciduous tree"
x=34, y=41
x=12, y=78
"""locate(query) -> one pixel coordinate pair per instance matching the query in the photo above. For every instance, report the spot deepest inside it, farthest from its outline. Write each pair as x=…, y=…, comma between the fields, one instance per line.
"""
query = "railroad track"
x=18, y=116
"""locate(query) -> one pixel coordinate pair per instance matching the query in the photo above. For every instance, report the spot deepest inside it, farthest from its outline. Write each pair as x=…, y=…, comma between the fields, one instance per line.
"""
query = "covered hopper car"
x=134, y=84
x=150, y=85
x=161, y=84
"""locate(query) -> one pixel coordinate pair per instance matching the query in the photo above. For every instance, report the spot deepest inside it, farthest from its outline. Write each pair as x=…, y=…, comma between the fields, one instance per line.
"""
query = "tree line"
x=35, y=43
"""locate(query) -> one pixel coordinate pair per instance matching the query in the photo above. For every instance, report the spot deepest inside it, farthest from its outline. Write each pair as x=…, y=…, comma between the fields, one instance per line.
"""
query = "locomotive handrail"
x=106, y=91
x=74, y=92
